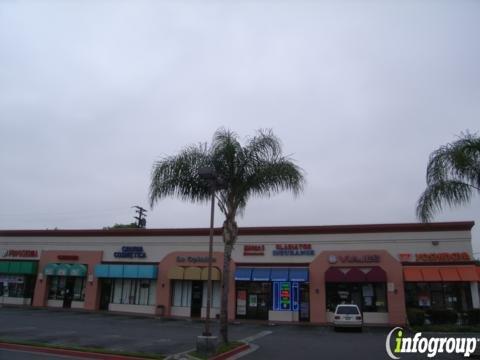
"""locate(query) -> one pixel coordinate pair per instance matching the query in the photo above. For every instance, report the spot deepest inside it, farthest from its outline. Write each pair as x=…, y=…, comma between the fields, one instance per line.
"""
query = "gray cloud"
x=92, y=93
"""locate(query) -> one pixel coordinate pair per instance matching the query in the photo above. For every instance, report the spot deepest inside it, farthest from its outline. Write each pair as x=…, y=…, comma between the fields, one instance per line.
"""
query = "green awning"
x=63, y=270
x=79, y=270
x=50, y=269
x=4, y=265
x=28, y=267
x=18, y=267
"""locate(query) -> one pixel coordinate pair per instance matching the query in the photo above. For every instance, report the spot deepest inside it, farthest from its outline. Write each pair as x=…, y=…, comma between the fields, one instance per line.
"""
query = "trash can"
x=160, y=310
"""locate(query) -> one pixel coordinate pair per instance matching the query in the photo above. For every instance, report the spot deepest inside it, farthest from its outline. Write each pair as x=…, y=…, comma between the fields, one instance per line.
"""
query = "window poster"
x=241, y=302
x=424, y=300
x=252, y=300
x=367, y=290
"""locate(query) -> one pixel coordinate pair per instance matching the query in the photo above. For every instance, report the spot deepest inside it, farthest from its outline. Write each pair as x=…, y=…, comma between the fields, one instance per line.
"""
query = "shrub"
x=416, y=317
x=442, y=316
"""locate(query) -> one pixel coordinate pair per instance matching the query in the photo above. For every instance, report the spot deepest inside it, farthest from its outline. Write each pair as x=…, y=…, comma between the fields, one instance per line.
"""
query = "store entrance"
x=105, y=294
x=304, y=302
x=68, y=294
x=197, y=293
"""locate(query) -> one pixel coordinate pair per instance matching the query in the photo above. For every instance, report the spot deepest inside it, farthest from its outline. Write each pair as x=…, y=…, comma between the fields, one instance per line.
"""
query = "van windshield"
x=347, y=310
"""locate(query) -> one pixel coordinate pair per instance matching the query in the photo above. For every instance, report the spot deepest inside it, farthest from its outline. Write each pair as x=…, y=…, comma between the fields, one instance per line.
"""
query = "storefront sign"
x=20, y=253
x=131, y=252
x=435, y=257
x=253, y=250
x=285, y=295
x=293, y=250
x=194, y=259
x=68, y=257
x=333, y=259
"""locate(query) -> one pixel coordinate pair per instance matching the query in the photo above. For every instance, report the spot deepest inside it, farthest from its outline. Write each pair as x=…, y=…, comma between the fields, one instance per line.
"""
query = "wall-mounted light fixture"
x=317, y=291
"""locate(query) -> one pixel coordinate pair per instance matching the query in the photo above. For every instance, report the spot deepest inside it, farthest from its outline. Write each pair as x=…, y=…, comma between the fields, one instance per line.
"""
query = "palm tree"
x=254, y=170
x=453, y=176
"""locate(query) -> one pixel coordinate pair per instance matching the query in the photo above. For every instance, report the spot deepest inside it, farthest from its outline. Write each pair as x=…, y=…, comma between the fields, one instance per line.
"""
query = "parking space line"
x=257, y=336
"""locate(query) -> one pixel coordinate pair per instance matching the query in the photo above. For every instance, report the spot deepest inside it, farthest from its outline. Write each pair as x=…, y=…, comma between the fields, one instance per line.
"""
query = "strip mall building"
x=277, y=273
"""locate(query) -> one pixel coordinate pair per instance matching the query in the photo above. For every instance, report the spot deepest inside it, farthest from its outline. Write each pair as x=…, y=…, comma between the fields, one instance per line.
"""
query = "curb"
x=74, y=353
x=228, y=354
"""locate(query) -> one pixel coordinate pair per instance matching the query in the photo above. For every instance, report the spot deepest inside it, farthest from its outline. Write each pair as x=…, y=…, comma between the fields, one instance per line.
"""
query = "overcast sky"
x=360, y=92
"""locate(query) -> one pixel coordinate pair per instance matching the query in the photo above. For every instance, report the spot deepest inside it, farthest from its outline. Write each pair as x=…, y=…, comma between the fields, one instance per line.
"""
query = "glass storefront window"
x=133, y=291
x=438, y=295
x=19, y=286
x=370, y=297
x=60, y=285
x=182, y=293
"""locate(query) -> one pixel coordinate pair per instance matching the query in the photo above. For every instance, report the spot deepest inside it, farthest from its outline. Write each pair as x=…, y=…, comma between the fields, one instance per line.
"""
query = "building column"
x=475, y=297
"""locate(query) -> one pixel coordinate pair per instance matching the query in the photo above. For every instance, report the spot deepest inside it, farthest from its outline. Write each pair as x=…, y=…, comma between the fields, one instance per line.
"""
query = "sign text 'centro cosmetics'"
x=131, y=252
x=293, y=250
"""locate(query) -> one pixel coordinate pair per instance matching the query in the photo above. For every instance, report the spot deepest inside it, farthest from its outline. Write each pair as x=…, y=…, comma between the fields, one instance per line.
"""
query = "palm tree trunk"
x=230, y=232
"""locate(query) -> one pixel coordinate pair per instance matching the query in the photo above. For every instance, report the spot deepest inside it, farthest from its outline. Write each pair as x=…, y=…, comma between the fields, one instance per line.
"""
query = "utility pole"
x=141, y=221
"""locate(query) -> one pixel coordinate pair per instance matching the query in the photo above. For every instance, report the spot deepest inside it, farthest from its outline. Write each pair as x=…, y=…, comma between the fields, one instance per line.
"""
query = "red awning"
x=431, y=274
x=355, y=275
x=377, y=274
x=449, y=274
x=333, y=274
x=467, y=273
x=440, y=273
x=412, y=274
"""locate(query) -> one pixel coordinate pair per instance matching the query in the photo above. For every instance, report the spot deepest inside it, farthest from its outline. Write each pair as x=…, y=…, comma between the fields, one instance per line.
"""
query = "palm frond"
x=264, y=146
x=178, y=176
x=449, y=192
x=271, y=177
x=459, y=160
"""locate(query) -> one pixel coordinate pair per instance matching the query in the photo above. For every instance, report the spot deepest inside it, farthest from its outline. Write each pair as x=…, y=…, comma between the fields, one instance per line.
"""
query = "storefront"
x=276, y=294
x=127, y=287
x=440, y=281
x=370, y=279
x=66, y=279
x=293, y=274
x=66, y=284
x=17, y=281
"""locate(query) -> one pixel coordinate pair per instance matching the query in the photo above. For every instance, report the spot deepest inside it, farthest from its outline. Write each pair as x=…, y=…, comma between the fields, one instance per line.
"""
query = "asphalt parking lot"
x=167, y=337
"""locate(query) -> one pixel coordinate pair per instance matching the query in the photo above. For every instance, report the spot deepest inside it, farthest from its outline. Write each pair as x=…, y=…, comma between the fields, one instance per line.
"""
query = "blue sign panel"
x=131, y=252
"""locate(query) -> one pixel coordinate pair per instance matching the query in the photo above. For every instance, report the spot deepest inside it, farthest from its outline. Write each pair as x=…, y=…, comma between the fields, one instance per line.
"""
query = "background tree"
x=122, y=226
x=256, y=169
x=453, y=176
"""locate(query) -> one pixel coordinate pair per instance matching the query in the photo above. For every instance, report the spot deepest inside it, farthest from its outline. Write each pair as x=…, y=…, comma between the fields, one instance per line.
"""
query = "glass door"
x=304, y=302
x=197, y=292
